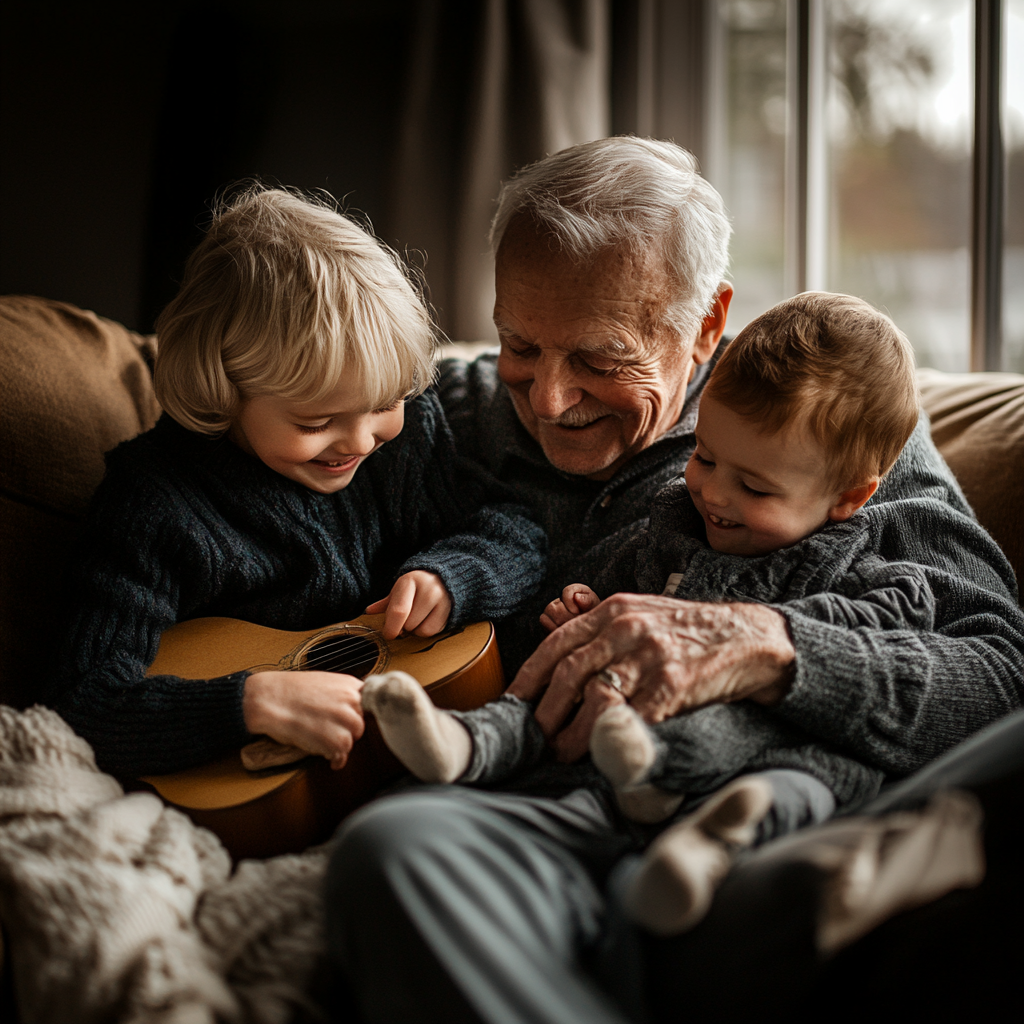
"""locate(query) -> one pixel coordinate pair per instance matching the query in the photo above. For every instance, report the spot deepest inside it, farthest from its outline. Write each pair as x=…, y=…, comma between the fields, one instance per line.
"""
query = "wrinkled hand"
x=318, y=712
x=670, y=656
x=576, y=599
x=418, y=603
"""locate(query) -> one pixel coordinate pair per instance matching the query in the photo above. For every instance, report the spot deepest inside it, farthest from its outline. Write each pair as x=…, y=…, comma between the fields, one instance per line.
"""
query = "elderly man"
x=610, y=308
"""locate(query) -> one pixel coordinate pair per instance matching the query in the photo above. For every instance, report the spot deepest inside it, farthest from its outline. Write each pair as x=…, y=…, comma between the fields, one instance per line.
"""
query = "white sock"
x=623, y=751
x=676, y=881
x=432, y=744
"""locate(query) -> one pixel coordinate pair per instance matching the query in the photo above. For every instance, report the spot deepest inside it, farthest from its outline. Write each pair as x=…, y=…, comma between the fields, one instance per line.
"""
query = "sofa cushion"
x=72, y=386
x=978, y=425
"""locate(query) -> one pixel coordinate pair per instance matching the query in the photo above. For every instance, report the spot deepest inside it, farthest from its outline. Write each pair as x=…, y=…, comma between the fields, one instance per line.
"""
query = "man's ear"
x=852, y=499
x=713, y=325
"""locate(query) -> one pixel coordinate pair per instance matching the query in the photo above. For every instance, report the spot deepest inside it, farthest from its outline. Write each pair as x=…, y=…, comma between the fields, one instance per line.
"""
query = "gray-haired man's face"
x=591, y=375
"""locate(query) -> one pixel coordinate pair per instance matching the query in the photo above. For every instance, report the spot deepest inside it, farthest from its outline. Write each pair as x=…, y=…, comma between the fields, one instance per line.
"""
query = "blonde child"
x=301, y=471
x=805, y=412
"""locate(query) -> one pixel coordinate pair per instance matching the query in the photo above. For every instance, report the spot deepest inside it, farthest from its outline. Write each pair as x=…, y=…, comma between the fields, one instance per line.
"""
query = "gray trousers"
x=449, y=904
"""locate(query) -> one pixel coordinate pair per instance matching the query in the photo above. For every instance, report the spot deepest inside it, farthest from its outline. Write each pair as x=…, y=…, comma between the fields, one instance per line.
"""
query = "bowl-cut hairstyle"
x=644, y=194
x=833, y=363
x=286, y=296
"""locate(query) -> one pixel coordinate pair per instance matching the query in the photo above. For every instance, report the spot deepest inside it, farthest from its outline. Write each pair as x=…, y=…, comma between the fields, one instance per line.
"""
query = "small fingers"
x=436, y=619
x=580, y=598
x=340, y=756
x=378, y=606
x=431, y=605
x=399, y=604
x=351, y=720
x=548, y=624
x=419, y=602
x=557, y=614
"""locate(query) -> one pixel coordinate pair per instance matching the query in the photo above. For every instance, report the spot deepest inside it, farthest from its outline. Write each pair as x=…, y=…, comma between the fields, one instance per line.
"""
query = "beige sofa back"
x=978, y=425
x=73, y=385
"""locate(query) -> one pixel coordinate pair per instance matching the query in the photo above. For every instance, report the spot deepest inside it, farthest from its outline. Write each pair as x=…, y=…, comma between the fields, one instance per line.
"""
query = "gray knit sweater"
x=891, y=697
x=861, y=577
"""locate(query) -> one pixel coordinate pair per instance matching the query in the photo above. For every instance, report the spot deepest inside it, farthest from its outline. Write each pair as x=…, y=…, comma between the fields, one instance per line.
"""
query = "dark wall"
x=119, y=126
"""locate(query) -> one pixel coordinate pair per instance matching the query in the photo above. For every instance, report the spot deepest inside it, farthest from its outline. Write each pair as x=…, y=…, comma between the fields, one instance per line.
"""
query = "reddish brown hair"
x=834, y=363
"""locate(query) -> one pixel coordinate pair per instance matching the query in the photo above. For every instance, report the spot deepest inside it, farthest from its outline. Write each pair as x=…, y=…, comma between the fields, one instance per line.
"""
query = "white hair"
x=638, y=193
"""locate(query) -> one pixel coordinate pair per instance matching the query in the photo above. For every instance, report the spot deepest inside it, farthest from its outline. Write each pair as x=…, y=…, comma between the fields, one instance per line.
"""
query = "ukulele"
x=287, y=807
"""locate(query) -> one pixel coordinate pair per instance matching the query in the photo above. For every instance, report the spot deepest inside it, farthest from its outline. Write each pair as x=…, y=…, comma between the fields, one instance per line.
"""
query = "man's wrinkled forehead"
x=620, y=287
x=610, y=336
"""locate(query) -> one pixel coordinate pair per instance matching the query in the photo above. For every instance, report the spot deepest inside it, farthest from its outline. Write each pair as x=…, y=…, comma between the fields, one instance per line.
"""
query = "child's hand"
x=319, y=712
x=576, y=599
x=418, y=603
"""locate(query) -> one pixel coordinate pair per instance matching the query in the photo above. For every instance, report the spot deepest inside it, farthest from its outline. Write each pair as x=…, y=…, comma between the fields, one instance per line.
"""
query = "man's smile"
x=575, y=426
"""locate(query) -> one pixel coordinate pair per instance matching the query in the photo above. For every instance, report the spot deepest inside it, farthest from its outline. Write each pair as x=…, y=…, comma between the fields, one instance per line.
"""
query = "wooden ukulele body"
x=286, y=809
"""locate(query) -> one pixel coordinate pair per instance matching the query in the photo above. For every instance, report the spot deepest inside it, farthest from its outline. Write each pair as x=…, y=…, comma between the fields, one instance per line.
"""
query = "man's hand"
x=418, y=603
x=668, y=655
x=315, y=711
x=576, y=599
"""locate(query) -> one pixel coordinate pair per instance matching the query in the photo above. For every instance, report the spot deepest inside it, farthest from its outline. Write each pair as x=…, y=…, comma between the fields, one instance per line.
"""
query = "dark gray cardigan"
x=857, y=580
x=893, y=698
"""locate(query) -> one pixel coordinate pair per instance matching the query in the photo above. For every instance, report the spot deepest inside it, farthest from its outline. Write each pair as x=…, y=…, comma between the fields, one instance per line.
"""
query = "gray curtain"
x=492, y=85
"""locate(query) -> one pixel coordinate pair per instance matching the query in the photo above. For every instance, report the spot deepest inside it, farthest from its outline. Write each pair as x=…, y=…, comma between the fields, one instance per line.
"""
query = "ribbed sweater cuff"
x=828, y=692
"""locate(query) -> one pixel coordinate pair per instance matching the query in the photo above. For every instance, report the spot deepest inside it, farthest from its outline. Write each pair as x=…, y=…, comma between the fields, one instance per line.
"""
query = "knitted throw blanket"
x=117, y=908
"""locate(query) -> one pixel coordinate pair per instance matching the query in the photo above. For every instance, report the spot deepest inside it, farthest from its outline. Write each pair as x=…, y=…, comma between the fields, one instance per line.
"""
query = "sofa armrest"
x=73, y=386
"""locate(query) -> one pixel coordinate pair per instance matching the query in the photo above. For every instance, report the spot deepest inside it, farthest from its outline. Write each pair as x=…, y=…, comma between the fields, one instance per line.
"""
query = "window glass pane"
x=747, y=129
x=1013, y=135
x=899, y=114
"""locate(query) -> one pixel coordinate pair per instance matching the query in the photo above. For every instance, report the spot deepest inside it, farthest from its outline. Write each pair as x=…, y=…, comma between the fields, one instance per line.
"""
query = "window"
x=853, y=156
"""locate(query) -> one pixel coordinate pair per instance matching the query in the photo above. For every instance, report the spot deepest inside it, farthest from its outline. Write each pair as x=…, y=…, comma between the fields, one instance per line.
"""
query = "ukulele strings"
x=329, y=650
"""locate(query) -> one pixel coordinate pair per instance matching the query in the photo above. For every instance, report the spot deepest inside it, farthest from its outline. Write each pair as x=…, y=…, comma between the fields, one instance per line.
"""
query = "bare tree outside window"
x=747, y=145
x=899, y=123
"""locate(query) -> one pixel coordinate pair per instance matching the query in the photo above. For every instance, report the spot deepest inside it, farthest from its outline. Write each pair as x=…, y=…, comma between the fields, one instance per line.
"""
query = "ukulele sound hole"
x=352, y=654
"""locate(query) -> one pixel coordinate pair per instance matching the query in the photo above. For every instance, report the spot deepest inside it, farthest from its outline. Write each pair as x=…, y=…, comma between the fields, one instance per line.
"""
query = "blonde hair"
x=834, y=363
x=286, y=296
x=643, y=194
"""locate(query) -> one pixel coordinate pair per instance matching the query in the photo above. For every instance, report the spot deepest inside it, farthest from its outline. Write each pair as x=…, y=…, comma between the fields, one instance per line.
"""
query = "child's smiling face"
x=758, y=492
x=318, y=444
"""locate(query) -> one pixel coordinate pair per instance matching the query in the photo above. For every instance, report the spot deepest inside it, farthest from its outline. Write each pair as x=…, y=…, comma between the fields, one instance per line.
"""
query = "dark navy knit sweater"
x=184, y=526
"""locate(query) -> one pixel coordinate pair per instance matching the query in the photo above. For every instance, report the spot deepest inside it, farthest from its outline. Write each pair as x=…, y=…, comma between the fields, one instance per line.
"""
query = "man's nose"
x=554, y=388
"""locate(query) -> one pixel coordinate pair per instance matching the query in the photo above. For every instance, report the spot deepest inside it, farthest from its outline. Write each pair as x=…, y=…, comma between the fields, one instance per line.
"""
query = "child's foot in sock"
x=432, y=744
x=676, y=881
x=623, y=750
